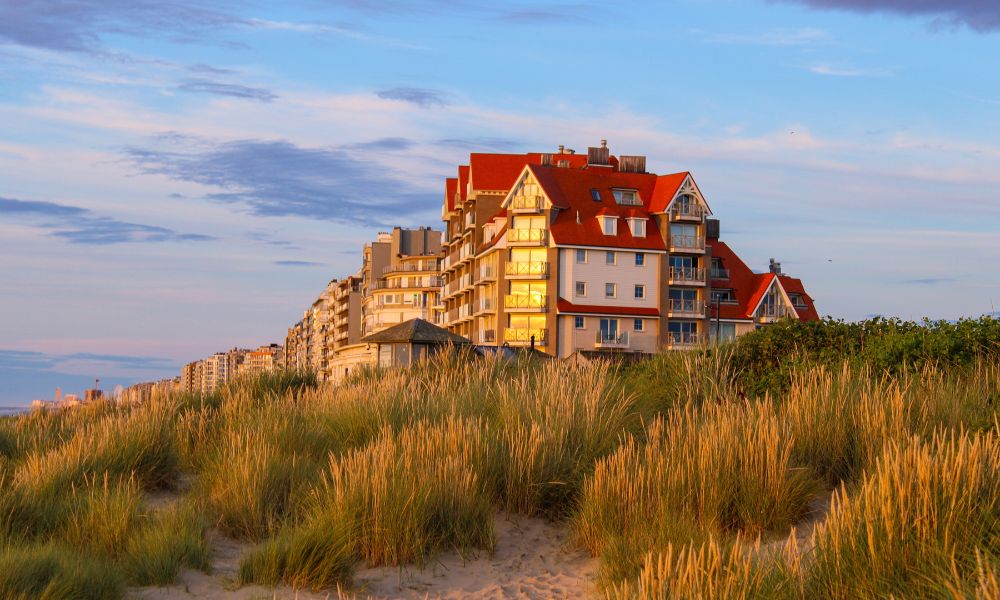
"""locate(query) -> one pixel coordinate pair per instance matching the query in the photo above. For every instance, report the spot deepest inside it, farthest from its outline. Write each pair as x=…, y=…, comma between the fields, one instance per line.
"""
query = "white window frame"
x=641, y=325
x=607, y=221
x=635, y=224
x=581, y=253
x=576, y=289
x=635, y=293
x=579, y=322
x=640, y=259
x=614, y=290
x=610, y=258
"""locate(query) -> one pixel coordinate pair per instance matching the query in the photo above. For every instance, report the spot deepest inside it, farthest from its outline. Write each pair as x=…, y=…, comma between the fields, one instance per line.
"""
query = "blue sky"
x=182, y=177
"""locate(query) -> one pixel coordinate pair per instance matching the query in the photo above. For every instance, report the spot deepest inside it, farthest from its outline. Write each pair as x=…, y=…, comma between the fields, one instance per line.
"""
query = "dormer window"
x=797, y=300
x=638, y=227
x=627, y=197
x=609, y=225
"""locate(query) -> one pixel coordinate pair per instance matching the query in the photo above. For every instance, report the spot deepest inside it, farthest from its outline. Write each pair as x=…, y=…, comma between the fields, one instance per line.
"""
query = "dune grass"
x=678, y=475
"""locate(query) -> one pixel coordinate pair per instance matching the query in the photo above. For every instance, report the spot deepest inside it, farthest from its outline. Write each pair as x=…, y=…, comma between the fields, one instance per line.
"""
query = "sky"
x=179, y=178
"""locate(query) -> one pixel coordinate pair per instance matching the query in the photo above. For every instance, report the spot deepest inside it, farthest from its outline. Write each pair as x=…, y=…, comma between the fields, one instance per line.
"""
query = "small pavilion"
x=412, y=341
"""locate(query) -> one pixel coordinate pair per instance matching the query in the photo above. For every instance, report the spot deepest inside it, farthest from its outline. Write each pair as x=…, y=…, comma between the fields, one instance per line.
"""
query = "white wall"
x=596, y=273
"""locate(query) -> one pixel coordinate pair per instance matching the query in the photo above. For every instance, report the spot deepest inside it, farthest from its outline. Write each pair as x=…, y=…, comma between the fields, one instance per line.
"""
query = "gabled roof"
x=463, y=182
x=664, y=191
x=749, y=287
x=569, y=190
x=565, y=306
x=416, y=331
x=450, y=187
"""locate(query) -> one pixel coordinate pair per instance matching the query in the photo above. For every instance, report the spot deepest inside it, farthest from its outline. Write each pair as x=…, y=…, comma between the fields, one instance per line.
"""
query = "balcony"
x=487, y=273
x=427, y=267
x=465, y=312
x=465, y=282
x=527, y=237
x=486, y=304
x=488, y=336
x=611, y=340
x=466, y=253
x=677, y=340
x=686, y=276
x=526, y=303
x=774, y=312
x=685, y=308
x=523, y=336
x=687, y=243
x=527, y=270
x=401, y=284
x=470, y=220
x=720, y=273
x=689, y=212
x=527, y=204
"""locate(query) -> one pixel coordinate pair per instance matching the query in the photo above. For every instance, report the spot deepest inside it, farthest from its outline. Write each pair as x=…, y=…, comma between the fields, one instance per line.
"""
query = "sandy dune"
x=530, y=562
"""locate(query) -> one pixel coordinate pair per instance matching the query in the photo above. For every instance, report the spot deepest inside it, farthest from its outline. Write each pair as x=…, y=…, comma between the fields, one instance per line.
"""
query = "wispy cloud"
x=297, y=263
x=274, y=178
x=23, y=359
x=480, y=143
x=78, y=25
x=386, y=143
x=422, y=97
x=978, y=15
x=844, y=71
x=929, y=281
x=204, y=86
x=81, y=226
x=778, y=37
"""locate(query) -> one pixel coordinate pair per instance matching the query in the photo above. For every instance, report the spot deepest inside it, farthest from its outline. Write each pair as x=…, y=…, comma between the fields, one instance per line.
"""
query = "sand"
x=531, y=561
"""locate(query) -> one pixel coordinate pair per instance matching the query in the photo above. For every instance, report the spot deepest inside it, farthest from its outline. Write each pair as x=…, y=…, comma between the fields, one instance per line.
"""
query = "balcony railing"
x=687, y=242
x=770, y=313
x=692, y=275
x=527, y=269
x=486, y=303
x=488, y=336
x=690, y=212
x=526, y=302
x=609, y=339
x=522, y=336
x=466, y=253
x=685, y=307
x=678, y=339
x=527, y=203
x=524, y=236
x=431, y=266
x=486, y=273
x=720, y=273
x=400, y=284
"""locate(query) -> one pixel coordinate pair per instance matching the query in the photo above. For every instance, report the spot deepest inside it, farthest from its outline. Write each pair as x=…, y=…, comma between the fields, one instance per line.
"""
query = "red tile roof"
x=565, y=306
x=569, y=191
x=498, y=172
x=748, y=287
x=463, y=182
x=450, y=187
x=665, y=190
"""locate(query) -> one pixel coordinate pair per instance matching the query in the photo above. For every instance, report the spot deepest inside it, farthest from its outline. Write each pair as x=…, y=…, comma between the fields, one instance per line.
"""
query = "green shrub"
x=53, y=572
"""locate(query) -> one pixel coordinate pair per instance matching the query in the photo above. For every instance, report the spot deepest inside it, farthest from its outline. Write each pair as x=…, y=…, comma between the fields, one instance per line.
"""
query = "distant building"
x=264, y=359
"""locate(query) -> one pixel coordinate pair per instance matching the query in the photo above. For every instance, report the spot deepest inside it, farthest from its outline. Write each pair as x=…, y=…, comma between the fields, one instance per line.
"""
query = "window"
x=640, y=292
x=728, y=331
x=609, y=225
x=581, y=288
x=723, y=296
x=640, y=259
x=627, y=197
x=638, y=227
x=609, y=258
x=610, y=290
x=637, y=324
x=796, y=299
x=719, y=271
x=581, y=256
x=578, y=322
x=595, y=194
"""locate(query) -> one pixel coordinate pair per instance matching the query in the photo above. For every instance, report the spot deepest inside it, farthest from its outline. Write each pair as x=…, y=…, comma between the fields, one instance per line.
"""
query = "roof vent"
x=632, y=164
x=561, y=148
x=599, y=156
x=546, y=160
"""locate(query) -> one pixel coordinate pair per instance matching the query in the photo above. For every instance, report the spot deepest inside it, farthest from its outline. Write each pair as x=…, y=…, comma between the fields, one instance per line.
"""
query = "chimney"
x=561, y=148
x=712, y=228
x=775, y=267
x=632, y=164
x=546, y=160
x=604, y=143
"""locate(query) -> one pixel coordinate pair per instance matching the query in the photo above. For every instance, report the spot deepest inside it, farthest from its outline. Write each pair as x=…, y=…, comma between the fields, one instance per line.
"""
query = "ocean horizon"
x=6, y=411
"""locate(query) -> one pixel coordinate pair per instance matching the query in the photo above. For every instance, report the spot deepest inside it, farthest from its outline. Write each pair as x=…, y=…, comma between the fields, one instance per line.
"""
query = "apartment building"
x=568, y=253
x=264, y=359
x=191, y=377
x=214, y=372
